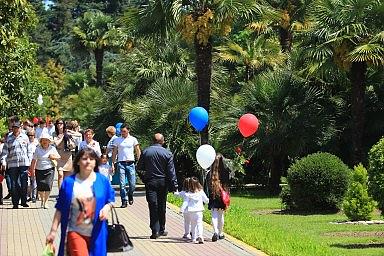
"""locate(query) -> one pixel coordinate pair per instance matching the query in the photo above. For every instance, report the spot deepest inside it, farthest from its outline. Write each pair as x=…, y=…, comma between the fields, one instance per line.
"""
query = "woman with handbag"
x=64, y=144
x=82, y=208
x=218, y=190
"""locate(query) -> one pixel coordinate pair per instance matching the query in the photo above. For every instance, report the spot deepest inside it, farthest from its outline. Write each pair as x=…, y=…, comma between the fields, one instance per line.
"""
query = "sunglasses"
x=31, y=135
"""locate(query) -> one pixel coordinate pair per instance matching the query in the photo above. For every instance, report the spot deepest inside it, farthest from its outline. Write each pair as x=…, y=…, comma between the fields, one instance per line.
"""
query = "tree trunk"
x=285, y=37
x=357, y=78
x=276, y=171
x=99, y=56
x=203, y=66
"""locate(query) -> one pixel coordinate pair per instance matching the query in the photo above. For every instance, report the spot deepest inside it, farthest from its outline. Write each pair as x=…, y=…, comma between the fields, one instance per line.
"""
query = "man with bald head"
x=157, y=171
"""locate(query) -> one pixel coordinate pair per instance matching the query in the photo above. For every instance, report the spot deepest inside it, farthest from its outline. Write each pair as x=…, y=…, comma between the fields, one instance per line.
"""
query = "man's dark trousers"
x=19, y=180
x=156, y=194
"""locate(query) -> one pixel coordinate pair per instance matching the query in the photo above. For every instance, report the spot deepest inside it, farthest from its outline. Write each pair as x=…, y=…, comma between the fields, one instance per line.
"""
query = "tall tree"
x=96, y=32
x=348, y=33
x=198, y=22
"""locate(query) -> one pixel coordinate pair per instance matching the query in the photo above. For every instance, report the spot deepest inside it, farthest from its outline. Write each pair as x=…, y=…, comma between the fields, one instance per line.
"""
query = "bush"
x=358, y=205
x=376, y=173
x=317, y=182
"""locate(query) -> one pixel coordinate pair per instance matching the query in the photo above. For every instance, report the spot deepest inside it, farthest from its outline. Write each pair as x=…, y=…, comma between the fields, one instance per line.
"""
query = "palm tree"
x=348, y=33
x=294, y=120
x=284, y=17
x=198, y=22
x=96, y=32
x=257, y=55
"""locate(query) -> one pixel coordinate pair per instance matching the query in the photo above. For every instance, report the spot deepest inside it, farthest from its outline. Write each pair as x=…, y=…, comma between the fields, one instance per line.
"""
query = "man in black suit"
x=157, y=171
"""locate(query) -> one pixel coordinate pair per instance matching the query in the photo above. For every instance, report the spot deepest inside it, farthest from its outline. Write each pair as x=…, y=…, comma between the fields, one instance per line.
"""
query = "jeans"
x=33, y=187
x=156, y=195
x=126, y=169
x=19, y=181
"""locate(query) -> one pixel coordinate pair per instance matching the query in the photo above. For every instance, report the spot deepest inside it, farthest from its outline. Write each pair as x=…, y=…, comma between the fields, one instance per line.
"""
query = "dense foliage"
x=317, y=182
x=311, y=71
x=376, y=173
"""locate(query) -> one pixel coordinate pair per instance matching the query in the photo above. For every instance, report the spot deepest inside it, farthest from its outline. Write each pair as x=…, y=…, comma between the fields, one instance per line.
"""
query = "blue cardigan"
x=104, y=194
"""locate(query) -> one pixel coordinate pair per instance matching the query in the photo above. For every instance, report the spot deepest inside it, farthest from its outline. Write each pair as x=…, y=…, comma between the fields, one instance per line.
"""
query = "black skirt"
x=44, y=179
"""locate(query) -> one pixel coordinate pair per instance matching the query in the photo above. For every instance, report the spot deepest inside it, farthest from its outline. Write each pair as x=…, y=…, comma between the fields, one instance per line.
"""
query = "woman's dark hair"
x=56, y=126
x=85, y=152
x=66, y=136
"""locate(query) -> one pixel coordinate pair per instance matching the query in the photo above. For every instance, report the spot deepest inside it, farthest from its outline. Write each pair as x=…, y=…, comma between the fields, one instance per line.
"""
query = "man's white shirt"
x=125, y=148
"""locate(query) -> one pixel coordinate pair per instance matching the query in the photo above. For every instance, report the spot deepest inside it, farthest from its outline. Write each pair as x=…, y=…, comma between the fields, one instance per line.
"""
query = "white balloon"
x=205, y=155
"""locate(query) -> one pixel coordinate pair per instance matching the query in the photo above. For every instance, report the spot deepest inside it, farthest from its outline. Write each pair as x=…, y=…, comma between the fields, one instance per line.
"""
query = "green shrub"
x=358, y=205
x=317, y=182
x=376, y=173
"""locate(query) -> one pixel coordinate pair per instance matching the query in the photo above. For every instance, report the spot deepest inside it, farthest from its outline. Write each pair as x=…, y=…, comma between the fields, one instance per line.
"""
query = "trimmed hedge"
x=317, y=182
x=376, y=173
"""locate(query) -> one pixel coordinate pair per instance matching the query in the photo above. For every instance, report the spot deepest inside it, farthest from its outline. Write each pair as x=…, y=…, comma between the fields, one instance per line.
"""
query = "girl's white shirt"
x=196, y=200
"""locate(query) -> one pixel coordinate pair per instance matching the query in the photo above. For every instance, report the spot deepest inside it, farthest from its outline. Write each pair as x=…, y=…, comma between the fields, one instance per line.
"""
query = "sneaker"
x=221, y=236
x=29, y=199
x=200, y=240
x=34, y=200
x=124, y=204
x=214, y=237
x=185, y=236
x=25, y=205
x=8, y=196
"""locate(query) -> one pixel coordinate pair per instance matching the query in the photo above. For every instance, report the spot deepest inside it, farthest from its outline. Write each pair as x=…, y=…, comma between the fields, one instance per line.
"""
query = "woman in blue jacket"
x=84, y=202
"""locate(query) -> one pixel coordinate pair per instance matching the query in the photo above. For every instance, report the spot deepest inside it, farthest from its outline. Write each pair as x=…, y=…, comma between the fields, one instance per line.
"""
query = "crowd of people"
x=31, y=154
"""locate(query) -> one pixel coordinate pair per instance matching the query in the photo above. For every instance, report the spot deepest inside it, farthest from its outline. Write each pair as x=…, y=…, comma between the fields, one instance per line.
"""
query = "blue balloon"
x=198, y=117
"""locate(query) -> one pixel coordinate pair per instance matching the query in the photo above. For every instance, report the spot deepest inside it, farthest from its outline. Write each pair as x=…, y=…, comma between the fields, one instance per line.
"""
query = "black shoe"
x=8, y=196
x=154, y=236
x=15, y=207
x=221, y=237
x=1, y=202
x=130, y=200
x=124, y=204
x=163, y=233
x=214, y=237
x=25, y=205
x=29, y=199
x=33, y=200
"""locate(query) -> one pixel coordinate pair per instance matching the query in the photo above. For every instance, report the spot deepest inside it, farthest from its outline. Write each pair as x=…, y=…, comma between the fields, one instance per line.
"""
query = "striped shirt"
x=16, y=151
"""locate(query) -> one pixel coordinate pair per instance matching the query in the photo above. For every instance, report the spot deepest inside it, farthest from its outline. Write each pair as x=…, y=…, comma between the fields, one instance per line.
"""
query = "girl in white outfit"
x=184, y=206
x=196, y=199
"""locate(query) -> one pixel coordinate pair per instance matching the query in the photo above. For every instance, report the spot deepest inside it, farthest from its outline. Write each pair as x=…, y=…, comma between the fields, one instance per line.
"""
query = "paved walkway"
x=23, y=231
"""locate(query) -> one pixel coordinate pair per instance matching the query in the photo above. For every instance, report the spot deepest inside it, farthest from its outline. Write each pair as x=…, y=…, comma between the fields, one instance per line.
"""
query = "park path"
x=23, y=231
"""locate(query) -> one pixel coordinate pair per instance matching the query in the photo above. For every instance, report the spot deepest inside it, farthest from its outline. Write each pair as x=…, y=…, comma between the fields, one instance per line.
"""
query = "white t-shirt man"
x=125, y=148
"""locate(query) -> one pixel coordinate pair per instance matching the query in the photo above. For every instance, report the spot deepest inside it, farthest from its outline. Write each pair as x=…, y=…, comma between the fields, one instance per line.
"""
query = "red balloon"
x=35, y=120
x=248, y=125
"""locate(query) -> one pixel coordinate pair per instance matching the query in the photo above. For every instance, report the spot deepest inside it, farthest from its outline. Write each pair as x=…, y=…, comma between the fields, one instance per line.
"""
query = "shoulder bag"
x=118, y=239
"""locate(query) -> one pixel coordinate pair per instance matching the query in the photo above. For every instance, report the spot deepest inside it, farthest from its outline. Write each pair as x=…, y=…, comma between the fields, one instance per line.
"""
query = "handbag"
x=226, y=198
x=118, y=239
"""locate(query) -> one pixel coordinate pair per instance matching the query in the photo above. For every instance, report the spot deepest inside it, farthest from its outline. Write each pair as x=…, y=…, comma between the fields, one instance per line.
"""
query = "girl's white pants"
x=196, y=225
x=217, y=220
x=187, y=223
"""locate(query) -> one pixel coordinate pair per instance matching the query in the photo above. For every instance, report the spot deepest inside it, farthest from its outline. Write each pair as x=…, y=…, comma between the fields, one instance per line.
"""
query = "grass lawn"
x=257, y=220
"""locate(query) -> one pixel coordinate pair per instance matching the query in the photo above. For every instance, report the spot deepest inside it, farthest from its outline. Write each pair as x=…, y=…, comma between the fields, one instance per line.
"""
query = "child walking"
x=217, y=180
x=196, y=199
x=184, y=206
x=105, y=168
